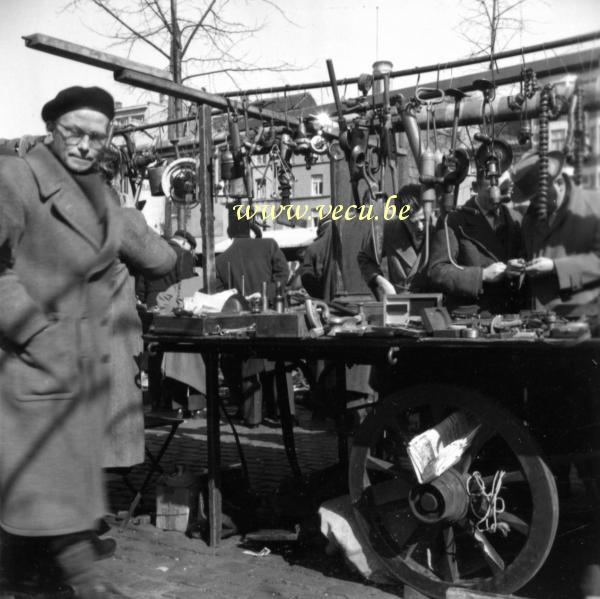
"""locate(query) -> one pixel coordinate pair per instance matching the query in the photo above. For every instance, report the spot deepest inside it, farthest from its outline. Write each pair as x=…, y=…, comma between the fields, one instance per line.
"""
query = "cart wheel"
x=463, y=528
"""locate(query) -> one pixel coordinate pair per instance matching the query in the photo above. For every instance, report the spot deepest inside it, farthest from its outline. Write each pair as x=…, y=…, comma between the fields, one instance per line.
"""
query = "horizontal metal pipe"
x=165, y=86
x=568, y=41
x=102, y=60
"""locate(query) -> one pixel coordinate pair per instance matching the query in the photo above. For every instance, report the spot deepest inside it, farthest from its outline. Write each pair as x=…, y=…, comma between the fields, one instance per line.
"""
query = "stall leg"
x=214, y=448
x=340, y=411
x=287, y=423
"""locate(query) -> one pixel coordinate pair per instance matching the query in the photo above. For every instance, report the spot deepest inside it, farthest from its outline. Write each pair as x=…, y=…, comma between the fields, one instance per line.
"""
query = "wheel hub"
x=444, y=498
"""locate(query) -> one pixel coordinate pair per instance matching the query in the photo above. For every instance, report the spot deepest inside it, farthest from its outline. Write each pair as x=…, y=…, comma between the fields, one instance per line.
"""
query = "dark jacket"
x=473, y=245
x=56, y=288
x=319, y=270
x=247, y=262
x=573, y=242
x=403, y=256
x=148, y=288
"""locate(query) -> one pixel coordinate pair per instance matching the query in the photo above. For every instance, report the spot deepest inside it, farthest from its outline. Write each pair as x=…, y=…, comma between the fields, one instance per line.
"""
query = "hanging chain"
x=541, y=199
x=579, y=137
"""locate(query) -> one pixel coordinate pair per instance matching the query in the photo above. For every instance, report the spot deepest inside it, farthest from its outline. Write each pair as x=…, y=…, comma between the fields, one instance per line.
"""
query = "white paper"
x=441, y=447
x=203, y=303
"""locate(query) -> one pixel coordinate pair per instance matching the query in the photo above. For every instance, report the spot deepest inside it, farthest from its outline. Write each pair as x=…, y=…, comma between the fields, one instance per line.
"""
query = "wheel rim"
x=426, y=535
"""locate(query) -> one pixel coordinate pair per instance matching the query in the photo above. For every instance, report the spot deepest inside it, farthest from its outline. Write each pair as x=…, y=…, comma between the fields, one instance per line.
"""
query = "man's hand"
x=494, y=272
x=383, y=287
x=539, y=266
x=515, y=268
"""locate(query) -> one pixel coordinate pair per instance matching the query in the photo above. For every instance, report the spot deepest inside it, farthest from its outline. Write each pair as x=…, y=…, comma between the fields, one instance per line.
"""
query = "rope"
x=491, y=501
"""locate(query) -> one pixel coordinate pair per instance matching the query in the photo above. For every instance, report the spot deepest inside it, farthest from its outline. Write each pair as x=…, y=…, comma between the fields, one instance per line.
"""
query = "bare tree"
x=195, y=38
x=491, y=25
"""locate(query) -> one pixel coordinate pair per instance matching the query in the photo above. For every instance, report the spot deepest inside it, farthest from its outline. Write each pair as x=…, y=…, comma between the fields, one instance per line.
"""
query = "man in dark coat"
x=244, y=266
x=563, y=250
x=319, y=271
x=59, y=237
x=183, y=244
x=402, y=248
x=470, y=250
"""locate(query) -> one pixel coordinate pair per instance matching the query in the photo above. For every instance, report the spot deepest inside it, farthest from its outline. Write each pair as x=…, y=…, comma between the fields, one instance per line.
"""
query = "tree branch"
x=117, y=18
x=198, y=25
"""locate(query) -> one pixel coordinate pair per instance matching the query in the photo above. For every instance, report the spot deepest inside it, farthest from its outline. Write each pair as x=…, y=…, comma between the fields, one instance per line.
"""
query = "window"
x=260, y=187
x=260, y=159
x=316, y=185
x=557, y=139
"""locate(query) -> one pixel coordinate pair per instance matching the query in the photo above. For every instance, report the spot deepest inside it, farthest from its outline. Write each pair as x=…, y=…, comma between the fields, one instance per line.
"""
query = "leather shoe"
x=104, y=548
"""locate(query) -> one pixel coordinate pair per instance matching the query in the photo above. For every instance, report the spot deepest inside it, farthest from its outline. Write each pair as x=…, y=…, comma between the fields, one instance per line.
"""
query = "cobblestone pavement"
x=151, y=563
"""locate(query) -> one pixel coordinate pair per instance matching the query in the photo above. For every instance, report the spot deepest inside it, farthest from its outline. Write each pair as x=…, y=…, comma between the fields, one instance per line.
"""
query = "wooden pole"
x=204, y=187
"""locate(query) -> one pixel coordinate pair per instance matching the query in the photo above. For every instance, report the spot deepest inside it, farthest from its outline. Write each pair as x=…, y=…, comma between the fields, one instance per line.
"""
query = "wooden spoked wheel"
x=432, y=536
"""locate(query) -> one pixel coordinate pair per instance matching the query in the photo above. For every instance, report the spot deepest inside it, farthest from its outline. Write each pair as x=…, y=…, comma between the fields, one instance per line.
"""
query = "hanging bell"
x=227, y=164
x=286, y=146
x=525, y=134
x=302, y=142
x=230, y=169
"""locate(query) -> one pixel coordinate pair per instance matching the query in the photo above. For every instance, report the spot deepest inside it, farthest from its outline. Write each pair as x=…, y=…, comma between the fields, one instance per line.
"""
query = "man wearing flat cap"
x=562, y=248
x=60, y=234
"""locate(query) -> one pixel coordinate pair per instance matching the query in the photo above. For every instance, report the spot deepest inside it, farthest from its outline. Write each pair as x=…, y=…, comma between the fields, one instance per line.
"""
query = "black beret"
x=187, y=236
x=76, y=97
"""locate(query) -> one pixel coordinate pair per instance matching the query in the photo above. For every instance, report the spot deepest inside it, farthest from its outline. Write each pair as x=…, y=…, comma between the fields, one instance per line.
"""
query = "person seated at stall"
x=245, y=265
x=402, y=247
x=470, y=250
x=563, y=249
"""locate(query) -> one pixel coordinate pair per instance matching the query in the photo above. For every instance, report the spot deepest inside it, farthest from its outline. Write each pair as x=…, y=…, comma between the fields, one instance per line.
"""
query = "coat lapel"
x=57, y=186
x=476, y=229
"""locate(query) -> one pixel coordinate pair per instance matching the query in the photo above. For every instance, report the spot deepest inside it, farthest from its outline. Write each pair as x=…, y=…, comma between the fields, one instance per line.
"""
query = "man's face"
x=416, y=224
x=78, y=137
x=183, y=243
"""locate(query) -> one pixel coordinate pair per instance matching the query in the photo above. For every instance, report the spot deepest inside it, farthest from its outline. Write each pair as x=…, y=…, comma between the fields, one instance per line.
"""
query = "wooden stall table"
x=463, y=374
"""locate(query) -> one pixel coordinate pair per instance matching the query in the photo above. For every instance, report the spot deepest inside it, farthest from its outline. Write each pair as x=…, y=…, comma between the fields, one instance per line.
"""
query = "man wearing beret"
x=470, y=251
x=562, y=250
x=59, y=237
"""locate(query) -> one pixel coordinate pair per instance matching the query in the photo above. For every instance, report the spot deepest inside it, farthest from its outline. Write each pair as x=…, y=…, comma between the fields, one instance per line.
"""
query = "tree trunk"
x=174, y=109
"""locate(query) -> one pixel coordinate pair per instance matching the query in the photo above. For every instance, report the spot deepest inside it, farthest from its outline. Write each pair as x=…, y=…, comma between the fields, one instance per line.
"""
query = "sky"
x=352, y=33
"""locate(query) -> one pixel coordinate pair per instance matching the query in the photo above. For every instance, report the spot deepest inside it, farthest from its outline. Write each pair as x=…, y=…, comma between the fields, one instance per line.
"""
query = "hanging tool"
x=455, y=162
x=486, y=157
x=579, y=137
x=354, y=141
x=388, y=140
x=430, y=97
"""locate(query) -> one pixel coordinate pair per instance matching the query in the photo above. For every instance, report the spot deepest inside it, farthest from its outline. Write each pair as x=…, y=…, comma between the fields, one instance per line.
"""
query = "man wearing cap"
x=563, y=248
x=59, y=237
x=470, y=250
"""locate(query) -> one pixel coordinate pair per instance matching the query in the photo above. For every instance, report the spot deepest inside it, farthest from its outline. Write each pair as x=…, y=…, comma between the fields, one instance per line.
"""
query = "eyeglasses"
x=74, y=135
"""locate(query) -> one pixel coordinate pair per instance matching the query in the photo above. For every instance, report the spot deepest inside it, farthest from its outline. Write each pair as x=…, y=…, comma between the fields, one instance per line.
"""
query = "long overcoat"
x=55, y=292
x=572, y=240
